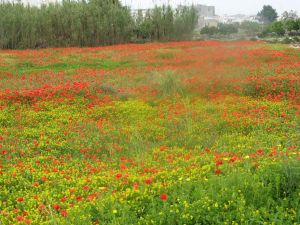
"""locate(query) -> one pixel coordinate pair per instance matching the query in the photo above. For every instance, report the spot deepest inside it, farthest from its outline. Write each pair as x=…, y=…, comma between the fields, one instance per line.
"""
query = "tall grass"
x=89, y=23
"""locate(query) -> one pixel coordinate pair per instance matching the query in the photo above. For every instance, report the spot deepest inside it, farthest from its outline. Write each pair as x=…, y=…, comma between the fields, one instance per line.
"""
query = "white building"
x=239, y=18
x=207, y=16
x=205, y=11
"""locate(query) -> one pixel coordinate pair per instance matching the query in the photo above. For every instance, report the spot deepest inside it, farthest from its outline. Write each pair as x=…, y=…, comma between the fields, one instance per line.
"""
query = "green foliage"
x=70, y=23
x=224, y=29
x=227, y=29
x=165, y=55
x=284, y=179
x=169, y=85
x=288, y=26
x=89, y=23
x=164, y=23
x=246, y=27
x=250, y=28
x=169, y=154
x=209, y=30
x=278, y=28
x=6, y=118
x=131, y=111
x=185, y=21
x=292, y=24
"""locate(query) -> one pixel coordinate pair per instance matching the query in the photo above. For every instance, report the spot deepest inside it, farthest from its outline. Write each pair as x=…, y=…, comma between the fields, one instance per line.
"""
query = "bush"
x=283, y=179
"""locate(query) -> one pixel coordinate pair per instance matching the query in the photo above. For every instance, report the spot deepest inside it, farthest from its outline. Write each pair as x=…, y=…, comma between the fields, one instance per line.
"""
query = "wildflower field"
x=198, y=132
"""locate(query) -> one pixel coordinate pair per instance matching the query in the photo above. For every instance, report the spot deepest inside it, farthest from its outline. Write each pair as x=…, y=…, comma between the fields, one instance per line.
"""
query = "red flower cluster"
x=164, y=197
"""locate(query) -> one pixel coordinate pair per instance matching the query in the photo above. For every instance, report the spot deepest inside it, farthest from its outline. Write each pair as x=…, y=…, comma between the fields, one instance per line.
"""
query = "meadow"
x=196, y=132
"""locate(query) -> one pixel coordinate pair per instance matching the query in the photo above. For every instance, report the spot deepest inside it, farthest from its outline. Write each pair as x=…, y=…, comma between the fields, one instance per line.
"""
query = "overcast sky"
x=225, y=6
x=222, y=6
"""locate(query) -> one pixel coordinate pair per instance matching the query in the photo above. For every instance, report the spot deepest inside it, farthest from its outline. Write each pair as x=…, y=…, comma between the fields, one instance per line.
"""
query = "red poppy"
x=218, y=171
x=233, y=159
x=135, y=186
x=92, y=197
x=162, y=148
x=85, y=188
x=20, y=199
x=148, y=181
x=164, y=197
x=79, y=198
x=42, y=206
x=119, y=176
x=20, y=218
x=15, y=210
x=57, y=207
x=219, y=162
x=27, y=221
x=63, y=213
x=63, y=199
x=44, y=178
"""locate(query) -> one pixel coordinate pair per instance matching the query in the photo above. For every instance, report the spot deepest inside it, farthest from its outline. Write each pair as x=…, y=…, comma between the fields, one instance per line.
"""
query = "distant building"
x=239, y=18
x=207, y=16
x=207, y=22
x=205, y=11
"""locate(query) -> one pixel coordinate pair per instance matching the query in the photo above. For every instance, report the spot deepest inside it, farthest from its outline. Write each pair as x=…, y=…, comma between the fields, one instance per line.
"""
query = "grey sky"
x=225, y=6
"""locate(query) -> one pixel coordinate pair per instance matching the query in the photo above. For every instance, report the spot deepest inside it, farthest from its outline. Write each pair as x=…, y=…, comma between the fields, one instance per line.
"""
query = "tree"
x=224, y=29
x=250, y=28
x=209, y=30
x=267, y=15
x=185, y=21
x=292, y=25
x=227, y=29
x=278, y=28
x=291, y=15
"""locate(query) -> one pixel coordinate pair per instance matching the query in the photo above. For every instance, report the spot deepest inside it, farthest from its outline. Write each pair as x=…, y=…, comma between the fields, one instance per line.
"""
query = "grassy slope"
x=104, y=135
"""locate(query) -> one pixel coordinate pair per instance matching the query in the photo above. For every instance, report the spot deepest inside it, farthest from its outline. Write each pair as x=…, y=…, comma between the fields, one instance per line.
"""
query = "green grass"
x=150, y=141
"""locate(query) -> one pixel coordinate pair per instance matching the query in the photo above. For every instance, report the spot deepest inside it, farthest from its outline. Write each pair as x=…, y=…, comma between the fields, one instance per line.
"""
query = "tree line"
x=90, y=23
x=288, y=24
